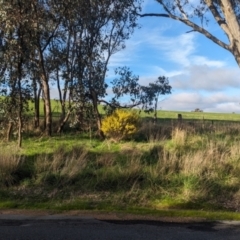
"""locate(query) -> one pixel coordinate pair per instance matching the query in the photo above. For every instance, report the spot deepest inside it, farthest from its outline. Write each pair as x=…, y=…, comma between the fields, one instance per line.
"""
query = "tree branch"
x=232, y=23
x=181, y=10
x=118, y=105
x=221, y=21
x=154, y=15
x=190, y=24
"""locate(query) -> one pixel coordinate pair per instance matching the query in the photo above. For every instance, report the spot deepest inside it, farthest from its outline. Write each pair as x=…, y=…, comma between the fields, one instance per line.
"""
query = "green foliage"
x=144, y=96
x=120, y=125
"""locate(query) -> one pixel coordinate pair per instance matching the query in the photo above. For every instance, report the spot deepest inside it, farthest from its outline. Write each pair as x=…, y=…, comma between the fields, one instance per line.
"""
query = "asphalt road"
x=59, y=227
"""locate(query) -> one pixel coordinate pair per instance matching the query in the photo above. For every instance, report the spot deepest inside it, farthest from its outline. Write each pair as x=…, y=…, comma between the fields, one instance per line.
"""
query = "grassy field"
x=170, y=168
x=196, y=115
x=161, y=114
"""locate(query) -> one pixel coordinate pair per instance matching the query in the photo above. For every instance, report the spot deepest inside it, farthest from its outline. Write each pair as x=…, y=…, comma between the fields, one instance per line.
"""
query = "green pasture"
x=161, y=114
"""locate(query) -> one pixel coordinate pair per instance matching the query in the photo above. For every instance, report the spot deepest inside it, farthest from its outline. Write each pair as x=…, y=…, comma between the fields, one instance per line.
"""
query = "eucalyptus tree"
x=144, y=96
x=94, y=31
x=14, y=54
x=47, y=16
x=27, y=28
x=36, y=92
x=107, y=25
x=63, y=57
x=69, y=41
x=195, y=14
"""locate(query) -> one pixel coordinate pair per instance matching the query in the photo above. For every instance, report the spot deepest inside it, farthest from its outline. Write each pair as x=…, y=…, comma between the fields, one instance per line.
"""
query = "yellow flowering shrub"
x=120, y=125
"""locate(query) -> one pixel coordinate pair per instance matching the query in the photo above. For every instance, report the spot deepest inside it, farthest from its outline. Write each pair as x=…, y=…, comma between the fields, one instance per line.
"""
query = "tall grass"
x=61, y=167
x=10, y=163
x=169, y=166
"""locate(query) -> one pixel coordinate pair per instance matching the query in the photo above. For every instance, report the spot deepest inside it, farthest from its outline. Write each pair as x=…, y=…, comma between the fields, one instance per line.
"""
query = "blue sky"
x=203, y=75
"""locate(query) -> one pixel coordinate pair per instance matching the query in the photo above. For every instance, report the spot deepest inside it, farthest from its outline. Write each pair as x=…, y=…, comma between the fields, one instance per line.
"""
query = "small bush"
x=120, y=125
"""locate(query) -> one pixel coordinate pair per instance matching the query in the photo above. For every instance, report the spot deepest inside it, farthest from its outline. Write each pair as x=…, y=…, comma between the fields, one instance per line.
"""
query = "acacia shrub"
x=121, y=124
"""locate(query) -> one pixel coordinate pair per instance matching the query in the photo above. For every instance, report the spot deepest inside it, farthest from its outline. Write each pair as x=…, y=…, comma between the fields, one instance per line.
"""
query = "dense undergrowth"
x=182, y=166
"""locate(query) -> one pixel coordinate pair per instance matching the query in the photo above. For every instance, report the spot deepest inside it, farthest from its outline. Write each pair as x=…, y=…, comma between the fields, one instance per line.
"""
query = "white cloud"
x=229, y=107
x=157, y=44
x=155, y=72
x=181, y=49
x=200, y=60
x=207, y=79
x=158, y=71
x=128, y=55
x=175, y=49
x=218, y=102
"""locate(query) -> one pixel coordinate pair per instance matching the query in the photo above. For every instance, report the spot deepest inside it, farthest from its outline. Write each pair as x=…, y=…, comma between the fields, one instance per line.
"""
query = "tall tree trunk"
x=62, y=99
x=63, y=96
x=37, y=94
x=155, y=111
x=20, y=109
x=9, y=130
x=46, y=92
x=44, y=112
x=97, y=114
x=20, y=124
x=232, y=28
x=63, y=122
x=47, y=104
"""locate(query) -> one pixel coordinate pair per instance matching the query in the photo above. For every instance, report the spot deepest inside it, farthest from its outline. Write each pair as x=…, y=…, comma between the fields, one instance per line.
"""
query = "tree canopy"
x=144, y=96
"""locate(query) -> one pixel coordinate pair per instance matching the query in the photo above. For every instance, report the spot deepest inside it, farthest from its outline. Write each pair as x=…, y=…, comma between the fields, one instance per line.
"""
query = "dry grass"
x=195, y=167
x=184, y=164
x=179, y=136
x=154, y=132
x=9, y=164
x=62, y=164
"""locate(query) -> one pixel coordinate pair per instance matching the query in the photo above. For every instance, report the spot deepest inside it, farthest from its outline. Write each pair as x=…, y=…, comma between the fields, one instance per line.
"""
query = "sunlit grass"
x=171, y=170
x=105, y=207
x=161, y=114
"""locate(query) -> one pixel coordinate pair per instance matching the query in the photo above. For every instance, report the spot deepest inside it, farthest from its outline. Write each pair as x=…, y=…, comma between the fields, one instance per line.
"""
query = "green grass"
x=188, y=169
x=34, y=146
x=161, y=114
x=164, y=114
x=58, y=207
x=198, y=115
